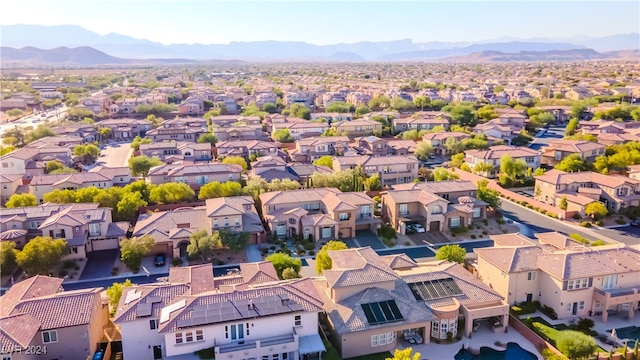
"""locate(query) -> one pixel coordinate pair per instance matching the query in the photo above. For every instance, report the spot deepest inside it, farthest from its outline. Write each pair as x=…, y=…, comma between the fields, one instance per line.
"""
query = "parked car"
x=99, y=355
x=419, y=228
x=160, y=260
x=635, y=223
x=409, y=229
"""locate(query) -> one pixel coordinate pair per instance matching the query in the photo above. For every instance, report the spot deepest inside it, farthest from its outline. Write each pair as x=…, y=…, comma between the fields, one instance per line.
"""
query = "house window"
x=94, y=229
x=306, y=234
x=569, y=307
x=189, y=336
x=344, y=216
x=226, y=222
x=404, y=209
x=581, y=305
x=234, y=332
x=455, y=222
x=326, y=232
x=153, y=324
x=531, y=275
x=282, y=230
x=199, y=335
x=374, y=340
x=597, y=305
x=436, y=210
x=179, y=339
x=297, y=320
x=435, y=327
x=292, y=221
x=215, y=223
x=365, y=210
x=610, y=281
x=477, y=212
x=49, y=337
x=237, y=221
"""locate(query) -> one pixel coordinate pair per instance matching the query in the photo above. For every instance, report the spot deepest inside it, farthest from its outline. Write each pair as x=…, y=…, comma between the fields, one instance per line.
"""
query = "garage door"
x=161, y=249
x=104, y=244
x=346, y=233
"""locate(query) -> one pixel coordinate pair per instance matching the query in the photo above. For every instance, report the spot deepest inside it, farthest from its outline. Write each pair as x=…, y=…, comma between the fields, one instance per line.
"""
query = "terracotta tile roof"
x=443, y=135
x=601, y=262
x=511, y=259
x=53, y=311
x=511, y=240
x=159, y=295
x=558, y=177
x=33, y=287
x=439, y=187
x=399, y=261
x=199, y=277
x=295, y=196
x=17, y=331
x=574, y=146
x=410, y=196
x=317, y=220
x=356, y=267
x=497, y=152
x=257, y=273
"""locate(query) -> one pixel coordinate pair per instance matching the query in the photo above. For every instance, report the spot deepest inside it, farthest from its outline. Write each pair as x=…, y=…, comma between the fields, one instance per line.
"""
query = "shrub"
x=585, y=224
x=63, y=273
x=552, y=215
x=301, y=252
x=69, y=264
x=577, y=216
x=620, y=221
x=598, y=243
x=484, y=232
x=548, y=354
x=176, y=261
x=500, y=221
x=547, y=310
x=387, y=232
x=309, y=245
x=311, y=253
x=480, y=236
x=458, y=230
x=486, y=222
x=599, y=223
x=407, y=243
x=473, y=236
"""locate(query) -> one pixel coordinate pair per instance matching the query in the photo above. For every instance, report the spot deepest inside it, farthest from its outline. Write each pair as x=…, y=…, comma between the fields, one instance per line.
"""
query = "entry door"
x=434, y=226
x=575, y=309
x=157, y=352
x=529, y=298
x=237, y=332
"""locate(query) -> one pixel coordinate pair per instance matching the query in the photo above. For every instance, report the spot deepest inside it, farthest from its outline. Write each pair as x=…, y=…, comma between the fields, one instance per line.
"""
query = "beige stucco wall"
x=359, y=343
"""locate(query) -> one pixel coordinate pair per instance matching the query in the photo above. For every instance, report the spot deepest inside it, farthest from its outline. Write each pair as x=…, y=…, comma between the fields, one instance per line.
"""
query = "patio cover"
x=310, y=344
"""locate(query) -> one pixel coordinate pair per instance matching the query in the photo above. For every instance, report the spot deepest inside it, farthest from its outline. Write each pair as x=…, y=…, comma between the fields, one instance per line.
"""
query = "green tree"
x=14, y=113
x=283, y=261
x=269, y=107
x=237, y=160
x=8, y=254
x=4, y=150
x=338, y=107
x=171, y=193
x=596, y=210
x=373, y=183
x=442, y=174
x=453, y=253
x=21, y=200
x=289, y=273
x=234, y=240
x=378, y=103
x=283, y=185
x=454, y=145
x=128, y=205
x=361, y=110
x=577, y=109
x=202, y=245
x=487, y=113
x=490, y=196
x=323, y=260
x=42, y=131
x=576, y=345
x=215, y=190
x=399, y=103
x=14, y=137
x=156, y=109
x=423, y=150
x=326, y=160
x=140, y=165
x=404, y=354
x=88, y=153
x=299, y=111
x=282, y=135
x=514, y=169
x=105, y=133
x=481, y=168
x=463, y=115
x=137, y=141
x=114, y=293
x=573, y=163
x=41, y=254
x=58, y=196
x=572, y=126
x=207, y=138
x=421, y=102
x=563, y=203
x=132, y=250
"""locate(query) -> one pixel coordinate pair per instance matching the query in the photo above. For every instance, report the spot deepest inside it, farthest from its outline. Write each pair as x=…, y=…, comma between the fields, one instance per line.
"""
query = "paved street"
x=541, y=223
x=628, y=234
x=552, y=133
x=115, y=155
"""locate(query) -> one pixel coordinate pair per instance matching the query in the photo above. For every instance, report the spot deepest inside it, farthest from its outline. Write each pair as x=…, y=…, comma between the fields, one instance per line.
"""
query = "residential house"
x=357, y=128
x=582, y=188
x=238, y=133
x=180, y=129
x=601, y=127
x=194, y=175
x=35, y=320
x=435, y=210
x=177, y=318
x=395, y=169
x=10, y=184
x=97, y=104
x=561, y=113
x=86, y=132
x=313, y=148
x=577, y=94
x=401, y=147
x=553, y=272
x=323, y=214
x=69, y=141
x=247, y=148
x=332, y=117
x=177, y=151
x=300, y=128
x=617, y=139
x=270, y=168
x=419, y=123
x=438, y=140
x=120, y=176
x=226, y=121
x=305, y=171
x=452, y=190
x=171, y=230
x=30, y=161
x=558, y=150
x=193, y=105
x=358, y=98
x=125, y=129
x=302, y=97
x=44, y=184
x=493, y=155
x=374, y=303
x=373, y=146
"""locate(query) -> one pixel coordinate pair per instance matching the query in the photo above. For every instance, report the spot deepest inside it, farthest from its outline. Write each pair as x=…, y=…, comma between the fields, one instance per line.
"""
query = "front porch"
x=624, y=302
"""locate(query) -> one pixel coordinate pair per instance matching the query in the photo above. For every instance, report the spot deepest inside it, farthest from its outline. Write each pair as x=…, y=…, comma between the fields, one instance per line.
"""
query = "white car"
x=419, y=228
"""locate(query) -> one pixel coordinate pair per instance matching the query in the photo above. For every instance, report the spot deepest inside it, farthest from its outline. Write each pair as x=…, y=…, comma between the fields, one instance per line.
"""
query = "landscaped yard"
x=550, y=332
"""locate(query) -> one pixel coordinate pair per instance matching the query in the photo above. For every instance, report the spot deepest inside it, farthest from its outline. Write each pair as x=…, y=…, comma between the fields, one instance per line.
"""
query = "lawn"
x=552, y=334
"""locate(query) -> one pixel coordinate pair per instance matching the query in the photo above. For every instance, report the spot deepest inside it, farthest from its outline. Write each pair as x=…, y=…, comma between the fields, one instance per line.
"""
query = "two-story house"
x=396, y=169
x=181, y=129
x=373, y=146
x=177, y=151
x=194, y=175
x=357, y=128
x=313, y=148
x=582, y=188
x=419, y=123
x=30, y=161
x=332, y=117
x=438, y=140
x=319, y=214
x=552, y=272
x=247, y=148
x=270, y=168
x=300, y=128
x=35, y=322
x=125, y=129
x=44, y=184
x=558, y=150
x=171, y=229
x=493, y=155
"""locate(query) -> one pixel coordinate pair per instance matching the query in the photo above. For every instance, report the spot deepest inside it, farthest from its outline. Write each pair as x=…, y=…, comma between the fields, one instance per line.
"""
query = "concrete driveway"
x=367, y=238
x=431, y=238
x=99, y=264
x=115, y=155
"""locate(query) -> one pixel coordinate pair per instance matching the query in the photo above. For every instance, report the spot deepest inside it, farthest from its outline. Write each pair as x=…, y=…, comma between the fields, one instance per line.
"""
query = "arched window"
x=437, y=210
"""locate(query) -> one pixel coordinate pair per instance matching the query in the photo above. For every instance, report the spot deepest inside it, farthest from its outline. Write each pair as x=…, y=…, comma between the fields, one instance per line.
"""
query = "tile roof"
x=158, y=295
x=295, y=196
x=53, y=311
x=357, y=267
x=199, y=277
x=257, y=273
x=17, y=331
x=574, y=146
x=497, y=152
x=601, y=262
x=30, y=288
x=439, y=187
x=558, y=177
x=511, y=259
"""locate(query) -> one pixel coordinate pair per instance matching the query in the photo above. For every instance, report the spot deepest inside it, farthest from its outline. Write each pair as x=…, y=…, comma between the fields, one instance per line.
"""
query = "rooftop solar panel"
x=382, y=312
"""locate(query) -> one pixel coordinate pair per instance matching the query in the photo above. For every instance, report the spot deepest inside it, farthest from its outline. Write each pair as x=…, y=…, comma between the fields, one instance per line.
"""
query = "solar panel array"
x=382, y=312
x=132, y=295
x=435, y=289
x=234, y=310
x=143, y=309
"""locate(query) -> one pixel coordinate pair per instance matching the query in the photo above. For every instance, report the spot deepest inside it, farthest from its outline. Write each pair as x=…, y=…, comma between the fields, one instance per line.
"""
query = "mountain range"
x=73, y=44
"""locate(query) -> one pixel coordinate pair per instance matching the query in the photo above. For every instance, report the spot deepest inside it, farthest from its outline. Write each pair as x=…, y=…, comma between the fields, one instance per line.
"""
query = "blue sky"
x=330, y=21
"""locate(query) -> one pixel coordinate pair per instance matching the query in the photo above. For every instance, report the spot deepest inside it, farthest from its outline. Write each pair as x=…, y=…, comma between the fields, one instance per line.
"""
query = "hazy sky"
x=328, y=22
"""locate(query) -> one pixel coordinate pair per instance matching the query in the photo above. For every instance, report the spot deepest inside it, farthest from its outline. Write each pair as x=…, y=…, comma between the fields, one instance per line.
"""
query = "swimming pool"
x=512, y=352
x=629, y=332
